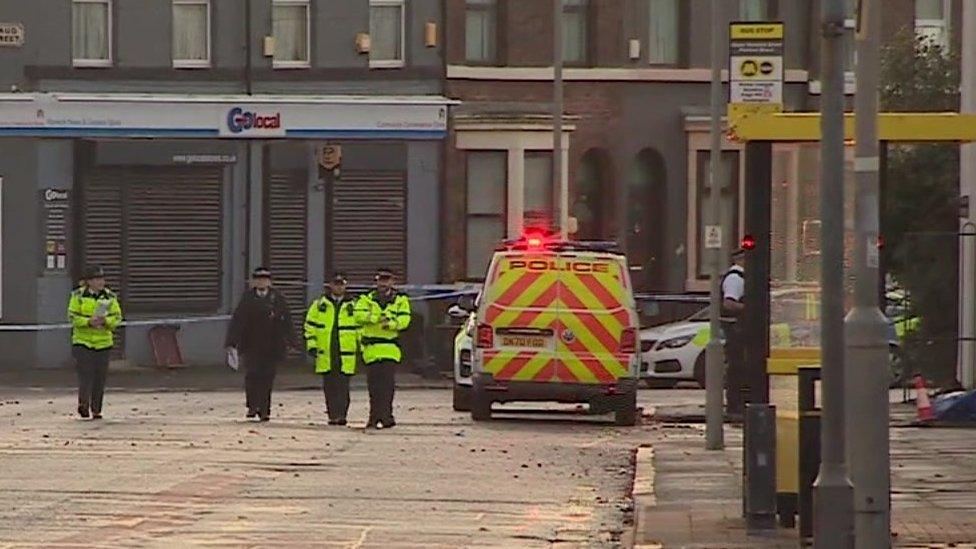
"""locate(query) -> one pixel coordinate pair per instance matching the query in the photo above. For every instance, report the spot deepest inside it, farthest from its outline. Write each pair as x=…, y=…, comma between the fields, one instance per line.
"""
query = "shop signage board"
x=756, y=67
x=231, y=117
x=57, y=205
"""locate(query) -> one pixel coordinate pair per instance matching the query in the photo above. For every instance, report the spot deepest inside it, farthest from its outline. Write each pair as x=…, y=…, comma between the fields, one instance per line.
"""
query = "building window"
x=479, y=31
x=386, y=31
x=487, y=188
x=575, y=19
x=538, y=190
x=91, y=33
x=291, y=29
x=932, y=21
x=191, y=33
x=663, y=25
x=729, y=201
x=753, y=10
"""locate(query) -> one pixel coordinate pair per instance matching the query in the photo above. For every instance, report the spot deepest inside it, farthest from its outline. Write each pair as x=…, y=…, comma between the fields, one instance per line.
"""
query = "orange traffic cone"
x=922, y=402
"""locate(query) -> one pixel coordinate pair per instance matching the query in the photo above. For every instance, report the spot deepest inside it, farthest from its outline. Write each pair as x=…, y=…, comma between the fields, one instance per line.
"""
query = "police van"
x=556, y=321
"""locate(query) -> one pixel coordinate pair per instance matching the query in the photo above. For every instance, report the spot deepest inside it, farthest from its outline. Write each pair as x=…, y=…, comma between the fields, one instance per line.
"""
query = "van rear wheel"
x=626, y=413
x=480, y=406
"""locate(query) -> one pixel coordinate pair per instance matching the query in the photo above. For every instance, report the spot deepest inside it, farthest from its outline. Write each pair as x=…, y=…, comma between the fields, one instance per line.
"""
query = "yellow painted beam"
x=913, y=127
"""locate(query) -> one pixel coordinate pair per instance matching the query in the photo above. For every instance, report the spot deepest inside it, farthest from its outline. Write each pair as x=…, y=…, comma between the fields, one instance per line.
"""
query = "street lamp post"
x=833, y=492
x=867, y=350
x=559, y=187
x=714, y=369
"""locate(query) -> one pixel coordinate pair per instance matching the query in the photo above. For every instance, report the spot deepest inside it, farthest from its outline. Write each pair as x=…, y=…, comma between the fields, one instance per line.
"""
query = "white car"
x=463, y=347
x=676, y=352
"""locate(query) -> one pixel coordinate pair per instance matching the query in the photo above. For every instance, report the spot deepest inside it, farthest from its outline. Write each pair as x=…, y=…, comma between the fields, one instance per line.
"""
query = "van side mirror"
x=455, y=311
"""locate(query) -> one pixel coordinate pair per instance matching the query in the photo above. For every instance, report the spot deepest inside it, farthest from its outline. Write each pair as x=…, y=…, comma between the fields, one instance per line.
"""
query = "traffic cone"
x=922, y=402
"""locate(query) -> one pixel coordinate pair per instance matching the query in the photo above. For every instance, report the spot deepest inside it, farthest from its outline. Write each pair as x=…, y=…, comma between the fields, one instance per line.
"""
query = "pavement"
x=693, y=497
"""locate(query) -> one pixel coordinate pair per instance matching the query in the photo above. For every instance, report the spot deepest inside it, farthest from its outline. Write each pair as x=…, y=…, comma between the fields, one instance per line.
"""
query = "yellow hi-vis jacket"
x=332, y=331
x=82, y=307
x=381, y=326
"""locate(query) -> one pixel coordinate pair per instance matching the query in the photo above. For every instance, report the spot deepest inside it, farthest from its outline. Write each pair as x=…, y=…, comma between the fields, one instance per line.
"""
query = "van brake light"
x=486, y=336
x=628, y=341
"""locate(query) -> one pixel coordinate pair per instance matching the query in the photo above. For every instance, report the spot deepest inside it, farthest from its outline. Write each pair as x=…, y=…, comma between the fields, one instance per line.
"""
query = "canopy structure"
x=892, y=126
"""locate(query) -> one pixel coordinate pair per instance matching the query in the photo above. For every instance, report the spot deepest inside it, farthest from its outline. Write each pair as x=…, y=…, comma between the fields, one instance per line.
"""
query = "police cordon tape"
x=432, y=292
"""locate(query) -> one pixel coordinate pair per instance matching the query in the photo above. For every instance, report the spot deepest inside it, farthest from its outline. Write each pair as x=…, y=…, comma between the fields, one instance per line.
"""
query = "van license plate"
x=525, y=341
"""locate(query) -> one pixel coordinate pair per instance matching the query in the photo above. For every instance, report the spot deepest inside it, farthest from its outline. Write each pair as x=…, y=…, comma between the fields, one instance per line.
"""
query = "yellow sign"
x=756, y=31
x=738, y=110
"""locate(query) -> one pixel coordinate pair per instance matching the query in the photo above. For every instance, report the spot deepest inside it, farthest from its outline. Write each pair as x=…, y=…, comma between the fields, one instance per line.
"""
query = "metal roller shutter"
x=162, y=241
x=369, y=224
x=287, y=239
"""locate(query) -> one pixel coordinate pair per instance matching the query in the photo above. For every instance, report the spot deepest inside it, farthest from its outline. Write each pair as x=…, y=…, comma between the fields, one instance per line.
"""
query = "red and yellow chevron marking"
x=591, y=305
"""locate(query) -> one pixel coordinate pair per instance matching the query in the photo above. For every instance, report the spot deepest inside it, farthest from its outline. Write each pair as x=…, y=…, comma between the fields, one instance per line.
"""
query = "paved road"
x=174, y=469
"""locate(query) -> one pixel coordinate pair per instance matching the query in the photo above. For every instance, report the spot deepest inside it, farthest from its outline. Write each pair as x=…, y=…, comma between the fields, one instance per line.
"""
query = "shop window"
x=481, y=18
x=386, y=31
x=538, y=190
x=487, y=188
x=664, y=32
x=291, y=28
x=191, y=33
x=932, y=21
x=753, y=10
x=575, y=30
x=91, y=33
x=729, y=199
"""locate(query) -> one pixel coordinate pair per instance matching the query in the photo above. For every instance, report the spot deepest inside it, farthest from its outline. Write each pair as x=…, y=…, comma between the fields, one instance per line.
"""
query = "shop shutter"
x=287, y=240
x=369, y=224
x=163, y=241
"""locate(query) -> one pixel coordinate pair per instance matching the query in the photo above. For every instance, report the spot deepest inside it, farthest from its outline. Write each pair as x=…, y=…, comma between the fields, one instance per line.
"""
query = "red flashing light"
x=748, y=242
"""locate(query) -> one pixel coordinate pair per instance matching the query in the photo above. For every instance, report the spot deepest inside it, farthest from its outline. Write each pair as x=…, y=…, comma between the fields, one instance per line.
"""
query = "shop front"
x=177, y=197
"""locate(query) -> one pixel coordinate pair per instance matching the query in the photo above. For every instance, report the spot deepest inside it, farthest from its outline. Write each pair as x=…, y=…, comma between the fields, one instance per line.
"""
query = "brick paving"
x=696, y=497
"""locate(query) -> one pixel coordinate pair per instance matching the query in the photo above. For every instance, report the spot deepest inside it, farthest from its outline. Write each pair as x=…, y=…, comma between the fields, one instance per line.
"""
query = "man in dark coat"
x=261, y=331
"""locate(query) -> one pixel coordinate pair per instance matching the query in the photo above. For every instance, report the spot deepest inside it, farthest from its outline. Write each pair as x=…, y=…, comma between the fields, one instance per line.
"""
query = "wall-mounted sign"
x=238, y=117
x=204, y=158
x=57, y=206
x=756, y=67
x=11, y=35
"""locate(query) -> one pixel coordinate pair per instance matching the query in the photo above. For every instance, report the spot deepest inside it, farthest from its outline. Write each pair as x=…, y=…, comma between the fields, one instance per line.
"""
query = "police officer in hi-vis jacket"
x=332, y=340
x=94, y=312
x=383, y=313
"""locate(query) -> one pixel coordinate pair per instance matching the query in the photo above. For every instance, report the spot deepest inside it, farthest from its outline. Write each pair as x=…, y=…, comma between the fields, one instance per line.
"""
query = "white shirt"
x=734, y=284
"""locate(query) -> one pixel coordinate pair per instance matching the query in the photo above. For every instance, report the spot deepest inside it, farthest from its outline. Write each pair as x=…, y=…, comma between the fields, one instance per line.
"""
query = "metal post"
x=833, y=495
x=714, y=368
x=967, y=183
x=867, y=350
x=559, y=187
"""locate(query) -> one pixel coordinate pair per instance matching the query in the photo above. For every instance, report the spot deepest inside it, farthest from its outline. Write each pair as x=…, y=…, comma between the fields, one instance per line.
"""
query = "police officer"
x=383, y=313
x=261, y=330
x=733, y=307
x=94, y=312
x=332, y=339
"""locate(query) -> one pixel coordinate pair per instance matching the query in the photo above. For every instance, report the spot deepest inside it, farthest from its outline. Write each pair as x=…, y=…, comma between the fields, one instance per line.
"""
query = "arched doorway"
x=594, y=195
x=646, y=211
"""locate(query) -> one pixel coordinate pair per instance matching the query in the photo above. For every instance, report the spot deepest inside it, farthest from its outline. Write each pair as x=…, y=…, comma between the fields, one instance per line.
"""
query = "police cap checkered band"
x=261, y=272
x=93, y=271
x=340, y=278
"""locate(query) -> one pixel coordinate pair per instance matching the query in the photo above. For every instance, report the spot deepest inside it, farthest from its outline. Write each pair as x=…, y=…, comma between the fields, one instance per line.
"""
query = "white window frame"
x=291, y=64
x=942, y=24
x=197, y=63
x=76, y=62
x=391, y=63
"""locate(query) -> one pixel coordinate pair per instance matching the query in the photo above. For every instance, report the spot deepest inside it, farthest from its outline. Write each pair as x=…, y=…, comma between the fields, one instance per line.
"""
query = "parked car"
x=676, y=352
x=463, y=348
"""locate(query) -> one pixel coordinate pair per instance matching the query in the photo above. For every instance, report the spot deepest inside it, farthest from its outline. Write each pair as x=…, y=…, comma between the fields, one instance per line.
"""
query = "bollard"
x=809, y=448
x=760, y=467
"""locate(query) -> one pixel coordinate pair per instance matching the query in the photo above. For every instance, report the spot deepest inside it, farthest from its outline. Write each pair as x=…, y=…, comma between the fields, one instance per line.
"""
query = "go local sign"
x=756, y=67
x=231, y=117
